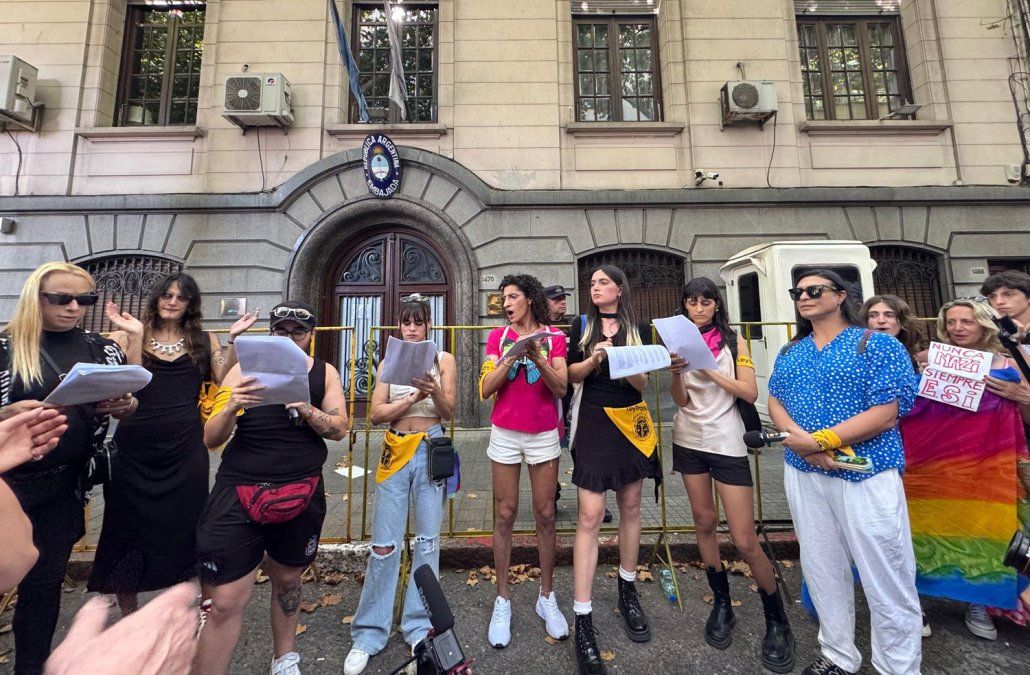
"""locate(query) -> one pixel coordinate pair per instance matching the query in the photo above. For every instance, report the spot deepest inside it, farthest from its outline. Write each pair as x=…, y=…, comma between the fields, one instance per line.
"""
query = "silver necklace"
x=161, y=348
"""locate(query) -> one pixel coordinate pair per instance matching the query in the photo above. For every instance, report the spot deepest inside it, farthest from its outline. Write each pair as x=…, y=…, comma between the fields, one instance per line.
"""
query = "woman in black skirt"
x=159, y=483
x=614, y=448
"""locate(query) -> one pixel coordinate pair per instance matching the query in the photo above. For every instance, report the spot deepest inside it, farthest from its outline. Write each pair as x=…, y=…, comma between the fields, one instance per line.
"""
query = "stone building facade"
x=547, y=136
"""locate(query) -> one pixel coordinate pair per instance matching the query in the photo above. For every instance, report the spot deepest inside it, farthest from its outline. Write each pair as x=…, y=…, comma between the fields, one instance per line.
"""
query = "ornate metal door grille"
x=656, y=279
x=125, y=280
x=910, y=274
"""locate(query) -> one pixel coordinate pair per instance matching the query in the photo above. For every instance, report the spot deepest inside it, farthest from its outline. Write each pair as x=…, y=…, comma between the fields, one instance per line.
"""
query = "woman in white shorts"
x=525, y=423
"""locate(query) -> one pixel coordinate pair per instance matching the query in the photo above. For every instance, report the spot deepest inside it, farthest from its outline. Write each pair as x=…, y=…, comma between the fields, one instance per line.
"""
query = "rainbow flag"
x=963, y=494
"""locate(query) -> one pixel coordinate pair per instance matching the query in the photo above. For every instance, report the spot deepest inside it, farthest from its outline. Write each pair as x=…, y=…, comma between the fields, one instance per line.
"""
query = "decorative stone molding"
x=624, y=129
x=874, y=127
x=123, y=134
x=407, y=131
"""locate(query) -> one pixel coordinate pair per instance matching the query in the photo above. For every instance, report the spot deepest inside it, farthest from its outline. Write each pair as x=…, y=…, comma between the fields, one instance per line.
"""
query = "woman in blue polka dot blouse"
x=838, y=391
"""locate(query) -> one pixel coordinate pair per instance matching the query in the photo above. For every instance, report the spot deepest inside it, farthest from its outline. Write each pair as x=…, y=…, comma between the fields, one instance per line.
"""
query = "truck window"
x=750, y=306
x=847, y=272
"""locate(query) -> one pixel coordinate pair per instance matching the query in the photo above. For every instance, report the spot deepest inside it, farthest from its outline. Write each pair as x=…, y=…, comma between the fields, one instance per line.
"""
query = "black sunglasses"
x=86, y=299
x=814, y=291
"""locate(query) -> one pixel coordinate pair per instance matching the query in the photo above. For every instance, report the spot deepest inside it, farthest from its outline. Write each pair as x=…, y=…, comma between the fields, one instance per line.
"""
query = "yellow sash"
x=635, y=424
x=397, y=452
x=745, y=361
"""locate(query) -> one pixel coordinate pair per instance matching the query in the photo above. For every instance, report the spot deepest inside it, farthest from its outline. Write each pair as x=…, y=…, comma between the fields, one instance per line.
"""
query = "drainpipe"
x=947, y=96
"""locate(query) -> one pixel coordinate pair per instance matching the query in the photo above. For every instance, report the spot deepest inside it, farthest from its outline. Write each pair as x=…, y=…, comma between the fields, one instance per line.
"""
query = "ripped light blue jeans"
x=371, y=626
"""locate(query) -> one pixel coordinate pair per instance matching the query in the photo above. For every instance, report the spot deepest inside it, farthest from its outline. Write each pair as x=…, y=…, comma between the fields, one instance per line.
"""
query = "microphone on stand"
x=440, y=653
x=761, y=439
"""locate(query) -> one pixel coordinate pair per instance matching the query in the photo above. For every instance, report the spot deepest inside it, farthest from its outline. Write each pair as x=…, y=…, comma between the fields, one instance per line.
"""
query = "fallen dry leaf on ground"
x=787, y=564
x=348, y=619
x=345, y=497
x=486, y=569
x=708, y=597
x=736, y=603
x=333, y=578
x=738, y=567
x=330, y=599
x=612, y=575
x=645, y=575
x=261, y=577
x=308, y=606
x=4, y=659
x=472, y=495
x=534, y=572
x=473, y=579
x=607, y=655
x=754, y=588
x=301, y=628
x=550, y=640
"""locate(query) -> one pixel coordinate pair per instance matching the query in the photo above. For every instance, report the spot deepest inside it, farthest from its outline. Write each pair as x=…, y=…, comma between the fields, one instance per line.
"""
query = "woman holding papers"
x=153, y=501
x=414, y=413
x=40, y=344
x=525, y=370
x=268, y=502
x=961, y=479
x=614, y=448
x=707, y=437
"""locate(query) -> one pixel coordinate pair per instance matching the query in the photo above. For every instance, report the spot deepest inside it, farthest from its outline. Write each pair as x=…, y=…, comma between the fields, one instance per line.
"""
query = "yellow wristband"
x=746, y=362
x=487, y=368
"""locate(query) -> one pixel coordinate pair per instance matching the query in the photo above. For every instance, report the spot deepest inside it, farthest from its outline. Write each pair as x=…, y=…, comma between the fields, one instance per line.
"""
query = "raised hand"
x=123, y=320
x=243, y=324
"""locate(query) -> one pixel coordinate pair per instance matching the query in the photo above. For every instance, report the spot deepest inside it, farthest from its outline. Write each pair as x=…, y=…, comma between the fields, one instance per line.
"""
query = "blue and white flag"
x=348, y=60
x=398, y=90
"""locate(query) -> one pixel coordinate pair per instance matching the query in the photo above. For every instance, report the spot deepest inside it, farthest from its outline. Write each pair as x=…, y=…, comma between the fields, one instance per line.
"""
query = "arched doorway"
x=365, y=288
x=656, y=279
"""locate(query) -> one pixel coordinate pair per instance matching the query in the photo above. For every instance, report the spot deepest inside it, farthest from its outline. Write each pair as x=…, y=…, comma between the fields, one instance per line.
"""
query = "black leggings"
x=57, y=523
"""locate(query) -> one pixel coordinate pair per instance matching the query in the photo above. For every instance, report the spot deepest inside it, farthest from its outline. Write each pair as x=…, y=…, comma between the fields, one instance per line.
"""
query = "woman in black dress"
x=614, y=448
x=42, y=342
x=159, y=484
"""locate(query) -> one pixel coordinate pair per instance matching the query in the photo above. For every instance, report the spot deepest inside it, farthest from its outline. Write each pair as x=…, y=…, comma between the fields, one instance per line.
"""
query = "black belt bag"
x=441, y=458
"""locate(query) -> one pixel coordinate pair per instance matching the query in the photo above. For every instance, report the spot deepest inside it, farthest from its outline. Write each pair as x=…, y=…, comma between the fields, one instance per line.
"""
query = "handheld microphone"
x=760, y=439
x=294, y=416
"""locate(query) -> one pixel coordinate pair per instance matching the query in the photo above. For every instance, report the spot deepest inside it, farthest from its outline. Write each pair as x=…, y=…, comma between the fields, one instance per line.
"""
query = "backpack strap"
x=863, y=342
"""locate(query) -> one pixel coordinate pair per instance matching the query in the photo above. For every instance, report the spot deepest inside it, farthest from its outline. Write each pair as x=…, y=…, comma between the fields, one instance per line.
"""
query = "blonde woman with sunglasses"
x=526, y=390
x=40, y=344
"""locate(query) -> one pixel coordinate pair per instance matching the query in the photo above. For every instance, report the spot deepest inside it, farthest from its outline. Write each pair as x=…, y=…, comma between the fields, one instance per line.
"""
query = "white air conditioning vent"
x=17, y=88
x=258, y=100
x=748, y=102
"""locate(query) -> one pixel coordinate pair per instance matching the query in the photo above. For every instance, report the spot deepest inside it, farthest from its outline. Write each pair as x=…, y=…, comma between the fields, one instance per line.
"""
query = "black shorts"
x=230, y=545
x=726, y=470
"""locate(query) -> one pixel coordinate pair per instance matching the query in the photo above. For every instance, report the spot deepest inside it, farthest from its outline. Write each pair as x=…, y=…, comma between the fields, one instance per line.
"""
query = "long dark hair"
x=198, y=344
x=534, y=292
x=625, y=313
x=703, y=287
x=911, y=334
x=847, y=310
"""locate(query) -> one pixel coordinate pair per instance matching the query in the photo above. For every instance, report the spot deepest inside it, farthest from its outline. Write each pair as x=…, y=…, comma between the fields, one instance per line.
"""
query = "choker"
x=606, y=315
x=705, y=328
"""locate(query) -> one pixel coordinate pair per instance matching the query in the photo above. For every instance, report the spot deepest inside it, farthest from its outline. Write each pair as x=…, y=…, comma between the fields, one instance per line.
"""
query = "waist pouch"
x=441, y=458
x=268, y=504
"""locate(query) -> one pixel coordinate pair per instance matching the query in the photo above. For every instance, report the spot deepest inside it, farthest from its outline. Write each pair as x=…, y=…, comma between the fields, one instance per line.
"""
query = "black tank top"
x=268, y=448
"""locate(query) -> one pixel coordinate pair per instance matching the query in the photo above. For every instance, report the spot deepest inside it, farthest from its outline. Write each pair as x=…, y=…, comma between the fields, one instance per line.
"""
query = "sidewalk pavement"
x=677, y=646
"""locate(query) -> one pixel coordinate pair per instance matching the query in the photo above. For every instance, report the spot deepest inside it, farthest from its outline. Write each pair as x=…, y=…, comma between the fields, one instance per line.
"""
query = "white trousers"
x=838, y=521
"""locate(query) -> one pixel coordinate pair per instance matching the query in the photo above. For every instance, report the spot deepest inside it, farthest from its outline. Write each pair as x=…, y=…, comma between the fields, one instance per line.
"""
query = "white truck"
x=757, y=280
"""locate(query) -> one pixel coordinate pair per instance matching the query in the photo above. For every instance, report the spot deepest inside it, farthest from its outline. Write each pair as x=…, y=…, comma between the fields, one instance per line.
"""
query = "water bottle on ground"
x=668, y=586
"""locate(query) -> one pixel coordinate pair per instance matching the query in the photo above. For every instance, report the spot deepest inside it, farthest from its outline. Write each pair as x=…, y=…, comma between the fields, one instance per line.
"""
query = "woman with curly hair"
x=891, y=315
x=158, y=488
x=525, y=421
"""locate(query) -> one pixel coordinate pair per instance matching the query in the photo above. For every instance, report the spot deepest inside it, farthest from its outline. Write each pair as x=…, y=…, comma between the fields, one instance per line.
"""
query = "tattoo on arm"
x=322, y=422
x=289, y=598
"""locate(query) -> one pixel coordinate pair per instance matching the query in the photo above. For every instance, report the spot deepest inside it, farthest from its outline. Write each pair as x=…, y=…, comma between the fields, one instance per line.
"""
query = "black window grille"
x=911, y=274
x=656, y=279
x=125, y=280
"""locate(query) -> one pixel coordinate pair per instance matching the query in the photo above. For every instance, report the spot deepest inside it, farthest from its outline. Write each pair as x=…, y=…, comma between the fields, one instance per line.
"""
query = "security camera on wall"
x=700, y=176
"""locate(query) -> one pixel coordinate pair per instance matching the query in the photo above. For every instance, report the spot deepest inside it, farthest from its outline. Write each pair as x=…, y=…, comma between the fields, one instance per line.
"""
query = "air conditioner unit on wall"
x=748, y=102
x=258, y=100
x=17, y=88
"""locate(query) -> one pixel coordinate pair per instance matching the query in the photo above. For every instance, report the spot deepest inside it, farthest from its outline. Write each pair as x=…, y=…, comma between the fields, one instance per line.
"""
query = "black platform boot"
x=587, y=654
x=719, y=627
x=632, y=614
x=778, y=644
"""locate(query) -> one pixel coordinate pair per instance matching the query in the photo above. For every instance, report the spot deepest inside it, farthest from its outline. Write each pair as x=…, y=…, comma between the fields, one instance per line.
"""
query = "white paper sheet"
x=93, y=382
x=279, y=364
x=355, y=471
x=683, y=338
x=971, y=363
x=626, y=361
x=522, y=344
x=407, y=360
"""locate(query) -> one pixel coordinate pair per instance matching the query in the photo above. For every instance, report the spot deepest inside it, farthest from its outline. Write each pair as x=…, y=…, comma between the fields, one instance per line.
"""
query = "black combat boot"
x=587, y=654
x=629, y=606
x=719, y=627
x=778, y=643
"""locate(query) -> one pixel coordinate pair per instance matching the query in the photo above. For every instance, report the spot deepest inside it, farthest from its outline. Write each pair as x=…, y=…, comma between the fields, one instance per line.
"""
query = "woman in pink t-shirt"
x=527, y=387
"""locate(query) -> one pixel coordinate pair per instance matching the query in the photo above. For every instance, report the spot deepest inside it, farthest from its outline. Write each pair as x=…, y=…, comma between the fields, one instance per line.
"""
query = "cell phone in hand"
x=860, y=464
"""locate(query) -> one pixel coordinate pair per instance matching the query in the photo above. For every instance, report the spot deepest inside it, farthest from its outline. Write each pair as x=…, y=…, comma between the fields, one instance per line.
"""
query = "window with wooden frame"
x=616, y=69
x=160, y=73
x=417, y=24
x=852, y=68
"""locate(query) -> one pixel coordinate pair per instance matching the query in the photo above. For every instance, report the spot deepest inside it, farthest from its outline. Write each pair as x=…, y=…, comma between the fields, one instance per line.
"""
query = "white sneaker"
x=287, y=664
x=355, y=663
x=927, y=631
x=499, y=633
x=979, y=622
x=554, y=620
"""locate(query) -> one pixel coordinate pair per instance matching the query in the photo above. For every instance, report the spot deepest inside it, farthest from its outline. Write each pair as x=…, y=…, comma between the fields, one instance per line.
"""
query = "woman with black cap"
x=271, y=458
